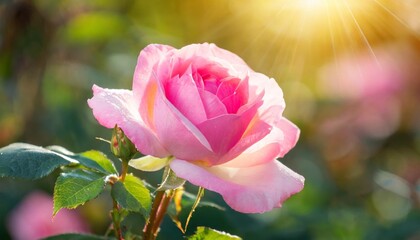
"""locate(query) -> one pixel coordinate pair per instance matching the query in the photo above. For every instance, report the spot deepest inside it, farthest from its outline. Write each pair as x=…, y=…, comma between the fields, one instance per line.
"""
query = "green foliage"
x=205, y=233
x=76, y=236
x=22, y=160
x=96, y=160
x=92, y=159
x=93, y=27
x=132, y=195
x=77, y=187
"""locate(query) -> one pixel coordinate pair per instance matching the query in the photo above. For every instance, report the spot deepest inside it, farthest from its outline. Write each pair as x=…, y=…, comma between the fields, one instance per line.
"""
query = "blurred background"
x=349, y=69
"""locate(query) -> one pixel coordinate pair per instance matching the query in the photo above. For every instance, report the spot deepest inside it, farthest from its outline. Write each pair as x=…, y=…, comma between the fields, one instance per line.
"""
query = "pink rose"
x=221, y=121
x=32, y=219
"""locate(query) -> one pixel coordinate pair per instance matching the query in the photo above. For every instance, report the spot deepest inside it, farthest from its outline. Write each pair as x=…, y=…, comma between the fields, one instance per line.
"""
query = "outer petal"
x=249, y=190
x=146, y=62
x=114, y=106
x=290, y=136
x=273, y=99
x=237, y=67
x=145, y=81
x=239, y=156
x=277, y=143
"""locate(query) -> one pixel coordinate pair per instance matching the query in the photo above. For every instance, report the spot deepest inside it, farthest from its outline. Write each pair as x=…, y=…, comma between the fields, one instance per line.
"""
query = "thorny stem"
x=161, y=212
x=115, y=213
x=116, y=219
x=148, y=229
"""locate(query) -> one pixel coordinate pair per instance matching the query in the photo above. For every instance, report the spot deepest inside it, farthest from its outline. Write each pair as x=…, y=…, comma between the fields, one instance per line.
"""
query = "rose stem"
x=124, y=169
x=116, y=220
x=161, y=213
x=147, y=231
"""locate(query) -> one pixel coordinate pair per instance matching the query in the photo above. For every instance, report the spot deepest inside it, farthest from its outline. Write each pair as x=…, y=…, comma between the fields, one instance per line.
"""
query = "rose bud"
x=121, y=146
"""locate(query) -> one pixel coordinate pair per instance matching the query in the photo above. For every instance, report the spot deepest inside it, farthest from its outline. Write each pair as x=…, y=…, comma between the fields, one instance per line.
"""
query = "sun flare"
x=311, y=4
x=305, y=33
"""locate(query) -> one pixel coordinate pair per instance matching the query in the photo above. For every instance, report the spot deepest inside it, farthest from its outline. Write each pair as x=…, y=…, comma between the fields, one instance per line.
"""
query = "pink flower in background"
x=363, y=76
x=32, y=219
x=221, y=121
x=371, y=87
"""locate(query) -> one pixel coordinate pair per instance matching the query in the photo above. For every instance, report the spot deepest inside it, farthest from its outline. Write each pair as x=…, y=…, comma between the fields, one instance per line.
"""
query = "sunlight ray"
x=332, y=38
x=362, y=34
x=392, y=14
x=299, y=67
x=347, y=38
x=274, y=41
x=220, y=29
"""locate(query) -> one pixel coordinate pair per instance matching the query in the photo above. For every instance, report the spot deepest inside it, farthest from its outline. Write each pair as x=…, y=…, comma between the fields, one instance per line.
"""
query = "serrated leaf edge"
x=55, y=211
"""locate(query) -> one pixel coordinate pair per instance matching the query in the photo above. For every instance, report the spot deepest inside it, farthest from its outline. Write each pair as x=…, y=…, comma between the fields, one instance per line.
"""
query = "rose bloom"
x=31, y=221
x=220, y=121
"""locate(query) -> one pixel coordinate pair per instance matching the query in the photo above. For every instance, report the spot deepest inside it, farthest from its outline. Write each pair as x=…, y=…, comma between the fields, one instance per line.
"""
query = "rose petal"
x=290, y=135
x=236, y=66
x=238, y=98
x=228, y=56
x=273, y=95
x=224, y=131
x=145, y=81
x=177, y=133
x=212, y=104
x=227, y=87
x=210, y=83
x=277, y=143
x=249, y=159
x=182, y=92
x=254, y=189
x=114, y=106
x=241, y=156
x=146, y=62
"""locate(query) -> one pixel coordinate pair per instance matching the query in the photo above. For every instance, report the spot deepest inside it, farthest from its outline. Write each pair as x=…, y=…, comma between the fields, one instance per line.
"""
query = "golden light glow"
x=295, y=15
x=301, y=34
x=311, y=4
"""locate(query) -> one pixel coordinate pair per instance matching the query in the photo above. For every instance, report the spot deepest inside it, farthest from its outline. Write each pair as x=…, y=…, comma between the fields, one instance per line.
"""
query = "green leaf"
x=60, y=149
x=205, y=233
x=91, y=159
x=132, y=195
x=27, y=161
x=76, y=236
x=96, y=160
x=171, y=181
x=76, y=187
